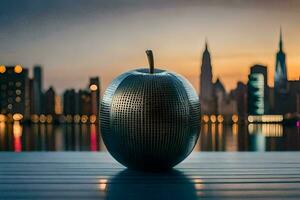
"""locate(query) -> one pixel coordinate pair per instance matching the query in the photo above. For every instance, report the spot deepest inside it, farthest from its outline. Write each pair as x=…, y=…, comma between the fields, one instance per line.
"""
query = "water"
x=86, y=137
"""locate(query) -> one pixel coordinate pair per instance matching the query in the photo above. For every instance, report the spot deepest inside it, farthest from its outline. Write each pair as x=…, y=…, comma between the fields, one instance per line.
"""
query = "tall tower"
x=280, y=79
x=37, y=90
x=206, y=84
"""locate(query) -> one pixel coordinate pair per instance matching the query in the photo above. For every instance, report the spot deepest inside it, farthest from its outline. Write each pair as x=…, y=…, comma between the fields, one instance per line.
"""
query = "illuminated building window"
x=84, y=118
x=49, y=119
x=2, y=69
x=43, y=118
x=2, y=118
x=18, y=99
x=18, y=69
x=17, y=117
x=18, y=92
x=93, y=118
x=265, y=118
x=220, y=118
x=213, y=118
x=35, y=118
x=93, y=87
x=235, y=118
x=250, y=119
x=205, y=118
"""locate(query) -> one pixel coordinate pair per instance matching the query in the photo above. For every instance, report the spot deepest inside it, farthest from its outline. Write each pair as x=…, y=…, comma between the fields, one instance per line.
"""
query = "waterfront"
x=86, y=137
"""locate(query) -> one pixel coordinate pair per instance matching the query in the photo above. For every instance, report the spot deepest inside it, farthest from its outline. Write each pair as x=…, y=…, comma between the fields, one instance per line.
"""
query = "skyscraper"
x=260, y=69
x=280, y=79
x=70, y=102
x=292, y=103
x=256, y=94
x=206, y=84
x=14, y=90
x=37, y=93
x=281, y=91
x=50, y=101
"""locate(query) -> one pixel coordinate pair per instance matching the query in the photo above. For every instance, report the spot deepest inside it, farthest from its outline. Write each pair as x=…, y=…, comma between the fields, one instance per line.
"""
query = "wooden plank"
x=84, y=175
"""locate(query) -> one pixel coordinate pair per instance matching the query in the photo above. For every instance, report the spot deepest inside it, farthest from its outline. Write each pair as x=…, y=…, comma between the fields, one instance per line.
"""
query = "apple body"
x=150, y=121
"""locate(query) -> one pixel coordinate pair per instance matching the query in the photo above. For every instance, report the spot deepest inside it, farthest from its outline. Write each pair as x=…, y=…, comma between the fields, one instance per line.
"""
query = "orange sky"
x=76, y=40
x=230, y=67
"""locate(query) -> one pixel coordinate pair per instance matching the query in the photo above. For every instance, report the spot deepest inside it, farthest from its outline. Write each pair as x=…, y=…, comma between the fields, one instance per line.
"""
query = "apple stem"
x=150, y=60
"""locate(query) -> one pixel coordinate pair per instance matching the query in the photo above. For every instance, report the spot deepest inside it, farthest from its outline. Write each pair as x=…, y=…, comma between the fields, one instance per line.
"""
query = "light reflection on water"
x=85, y=137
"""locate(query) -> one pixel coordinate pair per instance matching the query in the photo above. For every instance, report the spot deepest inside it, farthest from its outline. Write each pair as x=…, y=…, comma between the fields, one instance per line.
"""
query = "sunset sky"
x=76, y=39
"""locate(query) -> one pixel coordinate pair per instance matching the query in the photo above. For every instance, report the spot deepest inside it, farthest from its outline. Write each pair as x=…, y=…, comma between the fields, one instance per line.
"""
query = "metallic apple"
x=150, y=118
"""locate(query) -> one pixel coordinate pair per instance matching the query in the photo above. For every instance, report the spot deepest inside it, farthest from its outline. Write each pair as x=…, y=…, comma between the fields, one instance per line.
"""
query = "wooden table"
x=202, y=176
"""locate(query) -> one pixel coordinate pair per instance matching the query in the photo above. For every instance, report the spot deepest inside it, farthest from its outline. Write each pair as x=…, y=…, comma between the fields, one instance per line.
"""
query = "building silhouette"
x=256, y=98
x=260, y=69
x=213, y=96
x=95, y=95
x=84, y=103
x=280, y=75
x=240, y=96
x=49, y=101
x=37, y=91
x=224, y=104
x=290, y=103
x=21, y=94
x=23, y=98
x=286, y=92
x=280, y=81
x=206, y=83
x=14, y=85
x=70, y=102
x=293, y=104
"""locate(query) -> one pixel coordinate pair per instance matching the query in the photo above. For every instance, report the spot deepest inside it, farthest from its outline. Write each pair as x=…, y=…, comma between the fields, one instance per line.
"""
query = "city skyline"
x=195, y=83
x=101, y=39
